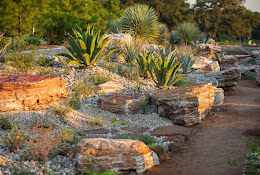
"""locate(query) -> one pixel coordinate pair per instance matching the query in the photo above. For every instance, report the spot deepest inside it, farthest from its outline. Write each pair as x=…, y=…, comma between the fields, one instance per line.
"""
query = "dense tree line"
x=53, y=19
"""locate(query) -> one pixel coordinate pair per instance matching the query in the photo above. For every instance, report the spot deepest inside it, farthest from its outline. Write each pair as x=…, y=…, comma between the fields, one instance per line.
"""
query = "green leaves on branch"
x=87, y=48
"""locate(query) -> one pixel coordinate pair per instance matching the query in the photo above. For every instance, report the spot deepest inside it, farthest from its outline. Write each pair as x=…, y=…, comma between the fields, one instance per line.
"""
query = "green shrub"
x=141, y=21
x=4, y=122
x=188, y=33
x=114, y=124
x=21, y=61
x=97, y=122
x=45, y=61
x=123, y=123
x=86, y=48
x=74, y=102
x=128, y=48
x=45, y=71
x=84, y=88
x=100, y=78
x=185, y=57
x=34, y=41
x=18, y=42
x=61, y=111
x=165, y=71
x=15, y=139
x=70, y=136
x=113, y=120
x=93, y=173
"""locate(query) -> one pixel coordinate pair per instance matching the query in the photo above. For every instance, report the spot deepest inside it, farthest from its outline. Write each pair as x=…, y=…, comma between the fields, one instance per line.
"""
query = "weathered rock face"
x=206, y=65
x=228, y=61
x=227, y=79
x=219, y=97
x=201, y=78
x=23, y=91
x=119, y=156
x=123, y=103
x=257, y=78
x=110, y=86
x=185, y=105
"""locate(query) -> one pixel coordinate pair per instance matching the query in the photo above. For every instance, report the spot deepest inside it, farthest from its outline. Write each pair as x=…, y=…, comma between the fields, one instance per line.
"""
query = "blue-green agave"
x=86, y=48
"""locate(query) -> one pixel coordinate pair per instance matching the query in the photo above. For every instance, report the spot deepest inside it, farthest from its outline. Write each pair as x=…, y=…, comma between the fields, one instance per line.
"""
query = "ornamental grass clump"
x=188, y=33
x=87, y=48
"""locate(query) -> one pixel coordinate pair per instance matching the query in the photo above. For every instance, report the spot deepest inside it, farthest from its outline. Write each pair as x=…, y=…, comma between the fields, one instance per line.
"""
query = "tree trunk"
x=20, y=23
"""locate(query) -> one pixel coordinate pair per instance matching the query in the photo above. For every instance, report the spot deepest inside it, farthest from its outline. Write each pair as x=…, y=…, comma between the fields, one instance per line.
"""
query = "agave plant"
x=86, y=47
x=185, y=56
x=165, y=70
x=2, y=50
x=143, y=62
x=141, y=21
x=188, y=33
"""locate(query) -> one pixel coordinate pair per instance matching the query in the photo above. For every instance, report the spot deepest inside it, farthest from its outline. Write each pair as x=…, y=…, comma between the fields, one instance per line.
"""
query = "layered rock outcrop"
x=228, y=61
x=205, y=65
x=110, y=86
x=227, y=79
x=23, y=91
x=117, y=155
x=186, y=105
x=123, y=103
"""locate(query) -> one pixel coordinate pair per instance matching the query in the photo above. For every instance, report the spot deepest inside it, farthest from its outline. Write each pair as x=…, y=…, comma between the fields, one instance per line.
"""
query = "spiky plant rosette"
x=141, y=21
x=188, y=33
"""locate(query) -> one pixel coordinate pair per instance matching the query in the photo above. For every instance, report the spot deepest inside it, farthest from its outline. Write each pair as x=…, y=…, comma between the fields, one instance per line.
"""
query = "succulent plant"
x=143, y=62
x=188, y=33
x=86, y=47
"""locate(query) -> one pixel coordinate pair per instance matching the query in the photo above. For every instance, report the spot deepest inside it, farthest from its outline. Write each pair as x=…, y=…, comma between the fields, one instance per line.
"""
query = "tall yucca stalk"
x=141, y=21
x=86, y=47
x=188, y=33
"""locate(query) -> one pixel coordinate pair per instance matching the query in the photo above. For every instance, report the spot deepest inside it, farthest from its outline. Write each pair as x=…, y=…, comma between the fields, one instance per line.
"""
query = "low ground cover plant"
x=100, y=78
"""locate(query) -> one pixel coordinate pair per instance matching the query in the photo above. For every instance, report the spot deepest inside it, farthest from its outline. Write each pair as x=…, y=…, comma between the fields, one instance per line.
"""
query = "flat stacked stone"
x=227, y=79
x=123, y=103
x=185, y=105
x=110, y=86
x=23, y=91
x=118, y=155
x=228, y=61
x=205, y=65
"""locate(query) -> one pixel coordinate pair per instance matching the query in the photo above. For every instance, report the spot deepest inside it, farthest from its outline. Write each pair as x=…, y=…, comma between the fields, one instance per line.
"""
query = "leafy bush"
x=97, y=122
x=45, y=61
x=34, y=41
x=185, y=56
x=3, y=48
x=123, y=123
x=188, y=33
x=113, y=120
x=21, y=61
x=93, y=173
x=15, y=139
x=143, y=62
x=4, y=122
x=100, y=78
x=18, y=42
x=84, y=88
x=128, y=48
x=165, y=70
x=74, y=102
x=61, y=111
x=86, y=47
x=141, y=21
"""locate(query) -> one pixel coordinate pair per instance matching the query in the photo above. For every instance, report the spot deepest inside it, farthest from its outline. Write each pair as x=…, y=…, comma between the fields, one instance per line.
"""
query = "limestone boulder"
x=23, y=91
x=186, y=105
x=205, y=65
x=123, y=103
x=200, y=78
x=110, y=86
x=121, y=156
x=228, y=61
x=227, y=79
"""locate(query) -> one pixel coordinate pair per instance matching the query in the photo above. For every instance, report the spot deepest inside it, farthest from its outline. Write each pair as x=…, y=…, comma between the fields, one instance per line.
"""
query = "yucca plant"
x=164, y=33
x=141, y=21
x=2, y=50
x=185, y=56
x=165, y=70
x=86, y=47
x=143, y=62
x=188, y=33
x=128, y=48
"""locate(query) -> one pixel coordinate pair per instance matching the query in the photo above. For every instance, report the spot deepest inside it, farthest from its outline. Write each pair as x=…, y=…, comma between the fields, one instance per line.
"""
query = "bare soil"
x=219, y=137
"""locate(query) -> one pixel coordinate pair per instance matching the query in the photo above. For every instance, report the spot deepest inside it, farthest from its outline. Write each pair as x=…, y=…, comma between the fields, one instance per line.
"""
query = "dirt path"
x=218, y=138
